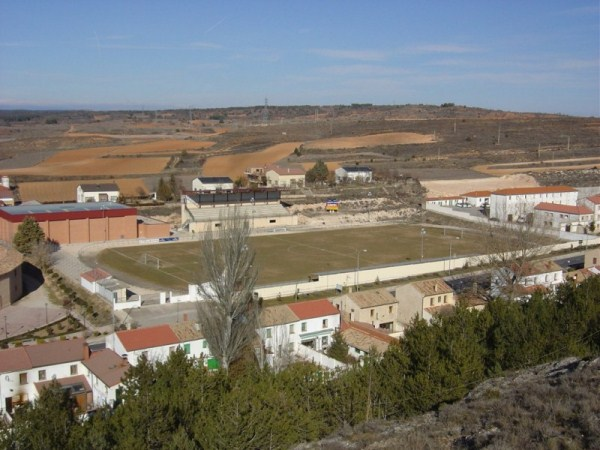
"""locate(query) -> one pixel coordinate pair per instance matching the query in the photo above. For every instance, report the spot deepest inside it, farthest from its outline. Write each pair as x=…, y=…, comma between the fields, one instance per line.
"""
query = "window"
x=431, y=301
x=145, y=353
x=291, y=328
x=272, y=220
x=445, y=298
x=390, y=309
x=204, y=344
x=73, y=369
x=439, y=299
x=23, y=378
x=372, y=312
x=171, y=349
x=325, y=323
x=268, y=333
x=187, y=349
x=325, y=341
x=41, y=375
x=303, y=326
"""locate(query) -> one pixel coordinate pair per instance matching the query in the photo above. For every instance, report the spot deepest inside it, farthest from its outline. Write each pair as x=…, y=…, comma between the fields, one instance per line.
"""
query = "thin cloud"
x=359, y=55
x=209, y=29
x=441, y=48
x=362, y=69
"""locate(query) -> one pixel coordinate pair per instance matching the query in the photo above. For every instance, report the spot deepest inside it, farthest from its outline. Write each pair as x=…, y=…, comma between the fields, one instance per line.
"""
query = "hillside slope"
x=551, y=406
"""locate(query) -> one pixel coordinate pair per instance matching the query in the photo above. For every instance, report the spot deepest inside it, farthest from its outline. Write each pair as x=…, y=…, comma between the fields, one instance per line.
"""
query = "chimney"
x=86, y=351
x=435, y=287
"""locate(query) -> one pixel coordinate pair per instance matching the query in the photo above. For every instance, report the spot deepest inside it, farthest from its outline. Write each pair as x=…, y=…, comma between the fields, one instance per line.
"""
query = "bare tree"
x=509, y=249
x=228, y=314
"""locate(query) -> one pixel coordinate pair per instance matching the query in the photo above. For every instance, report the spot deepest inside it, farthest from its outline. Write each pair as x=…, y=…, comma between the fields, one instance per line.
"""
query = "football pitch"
x=292, y=256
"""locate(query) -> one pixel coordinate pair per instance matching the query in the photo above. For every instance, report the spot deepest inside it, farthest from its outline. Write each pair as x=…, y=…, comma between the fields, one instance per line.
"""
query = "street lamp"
x=423, y=233
x=356, y=278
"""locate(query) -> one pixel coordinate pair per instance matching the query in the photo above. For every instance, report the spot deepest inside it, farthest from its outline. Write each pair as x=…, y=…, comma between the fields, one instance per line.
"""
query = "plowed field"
x=372, y=140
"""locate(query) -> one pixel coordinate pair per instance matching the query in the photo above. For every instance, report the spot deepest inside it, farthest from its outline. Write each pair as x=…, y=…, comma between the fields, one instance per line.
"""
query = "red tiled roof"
x=453, y=197
x=6, y=192
x=478, y=194
x=64, y=382
x=534, y=190
x=313, y=309
x=95, y=275
x=147, y=337
x=566, y=209
x=14, y=359
x=367, y=329
x=109, y=367
x=595, y=199
x=56, y=352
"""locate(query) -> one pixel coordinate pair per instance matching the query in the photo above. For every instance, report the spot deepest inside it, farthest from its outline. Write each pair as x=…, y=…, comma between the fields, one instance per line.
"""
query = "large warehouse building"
x=72, y=223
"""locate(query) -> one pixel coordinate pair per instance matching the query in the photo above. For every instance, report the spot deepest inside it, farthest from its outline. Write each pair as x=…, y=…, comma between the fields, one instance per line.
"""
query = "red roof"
x=107, y=366
x=478, y=194
x=40, y=355
x=595, y=199
x=313, y=309
x=6, y=192
x=534, y=190
x=14, y=359
x=95, y=275
x=366, y=328
x=147, y=337
x=566, y=209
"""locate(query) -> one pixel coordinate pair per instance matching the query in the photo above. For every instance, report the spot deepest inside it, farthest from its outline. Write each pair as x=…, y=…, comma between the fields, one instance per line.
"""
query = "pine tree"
x=318, y=174
x=29, y=234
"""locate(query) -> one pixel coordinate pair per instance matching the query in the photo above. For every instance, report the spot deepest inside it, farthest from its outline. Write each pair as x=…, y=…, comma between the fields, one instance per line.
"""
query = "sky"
x=513, y=55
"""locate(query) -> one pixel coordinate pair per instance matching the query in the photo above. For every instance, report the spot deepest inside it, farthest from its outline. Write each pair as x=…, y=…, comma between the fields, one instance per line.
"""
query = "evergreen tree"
x=29, y=234
x=338, y=348
x=318, y=174
x=173, y=188
x=163, y=191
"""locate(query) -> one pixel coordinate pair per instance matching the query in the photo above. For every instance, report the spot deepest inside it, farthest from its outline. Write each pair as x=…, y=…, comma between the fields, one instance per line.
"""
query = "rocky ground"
x=551, y=406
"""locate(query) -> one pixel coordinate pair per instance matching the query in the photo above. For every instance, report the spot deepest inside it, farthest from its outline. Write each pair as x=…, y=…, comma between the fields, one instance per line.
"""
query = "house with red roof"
x=105, y=373
x=593, y=202
x=477, y=198
x=542, y=276
x=569, y=218
x=24, y=370
x=517, y=204
x=363, y=338
x=296, y=330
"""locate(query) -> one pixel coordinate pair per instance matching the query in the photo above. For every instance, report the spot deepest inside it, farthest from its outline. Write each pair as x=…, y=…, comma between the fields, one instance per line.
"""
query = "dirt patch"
x=539, y=166
x=373, y=140
x=440, y=188
x=233, y=166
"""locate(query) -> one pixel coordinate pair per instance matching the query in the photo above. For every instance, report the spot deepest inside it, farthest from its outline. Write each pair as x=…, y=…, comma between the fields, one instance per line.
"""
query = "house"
x=105, y=373
x=533, y=276
x=212, y=184
x=353, y=173
x=11, y=276
x=443, y=201
x=302, y=330
x=91, y=278
x=569, y=218
x=7, y=198
x=517, y=204
x=593, y=203
x=424, y=299
x=155, y=343
x=591, y=257
x=22, y=369
x=285, y=177
x=479, y=199
x=362, y=339
x=376, y=307
x=98, y=192
x=579, y=276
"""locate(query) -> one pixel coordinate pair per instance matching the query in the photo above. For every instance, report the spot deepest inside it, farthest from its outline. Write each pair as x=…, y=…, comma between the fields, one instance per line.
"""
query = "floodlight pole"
x=423, y=232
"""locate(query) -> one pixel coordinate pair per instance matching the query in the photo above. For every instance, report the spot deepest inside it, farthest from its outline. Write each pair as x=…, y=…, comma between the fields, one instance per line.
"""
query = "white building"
x=593, y=203
x=353, y=173
x=543, y=276
x=516, y=204
x=24, y=371
x=212, y=184
x=105, y=192
x=285, y=177
x=477, y=198
x=105, y=370
x=155, y=343
x=570, y=218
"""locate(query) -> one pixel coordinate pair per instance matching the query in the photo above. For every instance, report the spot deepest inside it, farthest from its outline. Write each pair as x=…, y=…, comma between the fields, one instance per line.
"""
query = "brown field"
x=94, y=167
x=372, y=140
x=539, y=166
x=94, y=161
x=441, y=188
x=61, y=191
x=234, y=165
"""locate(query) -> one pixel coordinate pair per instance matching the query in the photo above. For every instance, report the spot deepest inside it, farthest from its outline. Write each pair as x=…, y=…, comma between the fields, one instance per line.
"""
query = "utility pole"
x=498, y=140
x=423, y=233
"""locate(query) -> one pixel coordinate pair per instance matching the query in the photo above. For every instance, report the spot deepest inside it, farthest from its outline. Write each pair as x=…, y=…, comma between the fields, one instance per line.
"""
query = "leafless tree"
x=509, y=249
x=228, y=314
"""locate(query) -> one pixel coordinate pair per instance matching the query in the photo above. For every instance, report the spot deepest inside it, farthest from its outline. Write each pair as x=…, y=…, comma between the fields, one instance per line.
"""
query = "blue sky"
x=527, y=55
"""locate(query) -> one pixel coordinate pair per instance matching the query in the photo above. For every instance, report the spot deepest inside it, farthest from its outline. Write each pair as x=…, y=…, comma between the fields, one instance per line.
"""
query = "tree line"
x=179, y=404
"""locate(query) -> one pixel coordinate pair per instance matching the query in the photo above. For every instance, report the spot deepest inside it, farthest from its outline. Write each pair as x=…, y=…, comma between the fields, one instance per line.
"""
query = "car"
x=463, y=205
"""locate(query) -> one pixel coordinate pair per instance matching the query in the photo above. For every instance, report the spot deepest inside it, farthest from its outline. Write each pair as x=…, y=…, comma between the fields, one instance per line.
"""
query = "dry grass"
x=373, y=140
x=234, y=165
x=60, y=191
